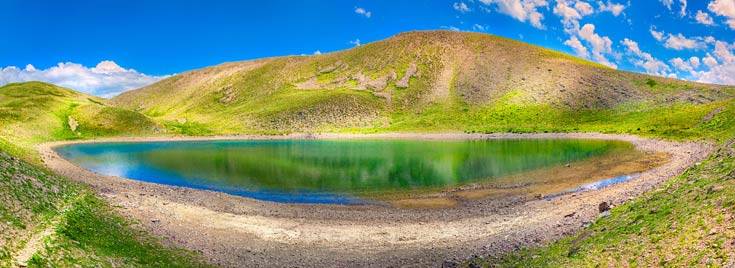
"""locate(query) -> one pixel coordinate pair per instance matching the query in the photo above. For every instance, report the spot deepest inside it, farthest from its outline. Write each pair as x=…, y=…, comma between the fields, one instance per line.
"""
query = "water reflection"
x=329, y=171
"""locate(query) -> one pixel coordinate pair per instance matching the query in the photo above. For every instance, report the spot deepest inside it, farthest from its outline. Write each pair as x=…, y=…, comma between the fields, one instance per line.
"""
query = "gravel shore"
x=240, y=232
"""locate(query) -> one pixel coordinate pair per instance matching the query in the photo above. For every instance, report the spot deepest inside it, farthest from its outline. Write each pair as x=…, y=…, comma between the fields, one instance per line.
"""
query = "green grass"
x=267, y=102
x=89, y=233
x=689, y=221
x=92, y=235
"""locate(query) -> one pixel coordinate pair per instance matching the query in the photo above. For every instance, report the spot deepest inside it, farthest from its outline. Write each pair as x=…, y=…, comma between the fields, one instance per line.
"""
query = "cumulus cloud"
x=667, y=3
x=723, y=52
x=577, y=46
x=363, y=12
x=601, y=45
x=709, y=61
x=461, y=7
x=681, y=65
x=694, y=61
x=479, y=28
x=615, y=8
x=659, y=36
x=106, y=79
x=570, y=16
x=356, y=42
x=725, y=8
x=597, y=46
x=644, y=59
x=682, y=6
x=704, y=18
x=681, y=42
x=521, y=10
x=451, y=28
x=584, y=8
x=721, y=65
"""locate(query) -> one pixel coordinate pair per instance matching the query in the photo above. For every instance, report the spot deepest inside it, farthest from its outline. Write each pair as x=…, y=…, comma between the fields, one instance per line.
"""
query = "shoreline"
x=237, y=231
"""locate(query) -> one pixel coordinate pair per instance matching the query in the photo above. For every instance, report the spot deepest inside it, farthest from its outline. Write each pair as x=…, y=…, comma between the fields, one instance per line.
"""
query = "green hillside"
x=36, y=112
x=424, y=81
x=47, y=220
x=413, y=82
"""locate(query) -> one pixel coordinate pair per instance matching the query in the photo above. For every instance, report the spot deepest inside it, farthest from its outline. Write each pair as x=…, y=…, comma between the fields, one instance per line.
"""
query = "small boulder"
x=73, y=124
x=602, y=207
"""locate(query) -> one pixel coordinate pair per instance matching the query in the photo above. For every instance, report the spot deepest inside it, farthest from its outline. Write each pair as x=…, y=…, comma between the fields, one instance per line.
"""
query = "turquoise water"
x=329, y=171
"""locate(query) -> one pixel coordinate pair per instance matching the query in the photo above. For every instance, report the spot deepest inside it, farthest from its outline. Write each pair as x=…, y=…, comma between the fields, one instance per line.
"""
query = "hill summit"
x=414, y=80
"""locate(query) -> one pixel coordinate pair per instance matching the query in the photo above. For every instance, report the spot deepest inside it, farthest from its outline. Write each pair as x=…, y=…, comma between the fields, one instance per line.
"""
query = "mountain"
x=432, y=80
x=47, y=220
x=417, y=81
x=34, y=112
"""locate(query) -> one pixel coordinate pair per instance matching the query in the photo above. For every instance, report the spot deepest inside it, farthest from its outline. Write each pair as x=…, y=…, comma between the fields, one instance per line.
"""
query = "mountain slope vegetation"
x=416, y=81
x=47, y=220
x=36, y=112
x=412, y=82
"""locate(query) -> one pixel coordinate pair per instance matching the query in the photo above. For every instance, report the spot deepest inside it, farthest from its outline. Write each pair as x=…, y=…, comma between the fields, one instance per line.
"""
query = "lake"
x=344, y=171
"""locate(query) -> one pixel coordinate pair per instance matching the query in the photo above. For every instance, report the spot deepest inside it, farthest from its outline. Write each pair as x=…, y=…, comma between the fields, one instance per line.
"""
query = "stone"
x=602, y=207
x=73, y=124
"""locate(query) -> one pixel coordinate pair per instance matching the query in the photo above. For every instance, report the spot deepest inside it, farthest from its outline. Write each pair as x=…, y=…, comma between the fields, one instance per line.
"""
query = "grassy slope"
x=690, y=221
x=84, y=230
x=465, y=82
x=491, y=90
x=34, y=112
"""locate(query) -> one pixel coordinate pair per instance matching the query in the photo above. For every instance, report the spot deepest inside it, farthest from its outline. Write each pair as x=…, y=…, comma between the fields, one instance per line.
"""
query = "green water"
x=330, y=171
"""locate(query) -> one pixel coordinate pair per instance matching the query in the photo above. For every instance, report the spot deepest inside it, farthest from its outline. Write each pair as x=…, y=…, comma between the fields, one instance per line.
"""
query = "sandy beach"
x=235, y=231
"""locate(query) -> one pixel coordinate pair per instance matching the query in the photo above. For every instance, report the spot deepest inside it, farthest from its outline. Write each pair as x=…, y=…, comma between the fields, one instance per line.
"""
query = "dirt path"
x=36, y=242
x=236, y=231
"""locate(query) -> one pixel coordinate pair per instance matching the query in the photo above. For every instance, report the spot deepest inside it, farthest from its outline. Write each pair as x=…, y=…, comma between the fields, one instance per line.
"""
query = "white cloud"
x=521, y=10
x=451, y=28
x=694, y=61
x=723, y=53
x=317, y=52
x=659, y=36
x=709, y=61
x=601, y=45
x=681, y=64
x=645, y=60
x=631, y=46
x=584, y=8
x=570, y=15
x=479, y=28
x=461, y=7
x=725, y=8
x=704, y=18
x=721, y=65
x=615, y=8
x=667, y=3
x=356, y=42
x=579, y=49
x=363, y=12
x=683, y=6
x=571, y=12
x=681, y=42
x=107, y=79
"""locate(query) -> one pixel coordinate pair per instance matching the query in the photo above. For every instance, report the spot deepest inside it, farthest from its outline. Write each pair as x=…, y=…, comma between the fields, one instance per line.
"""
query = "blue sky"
x=105, y=47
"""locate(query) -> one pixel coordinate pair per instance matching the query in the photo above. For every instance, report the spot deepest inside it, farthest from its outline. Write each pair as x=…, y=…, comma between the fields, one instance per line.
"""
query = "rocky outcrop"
x=410, y=72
